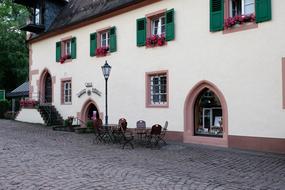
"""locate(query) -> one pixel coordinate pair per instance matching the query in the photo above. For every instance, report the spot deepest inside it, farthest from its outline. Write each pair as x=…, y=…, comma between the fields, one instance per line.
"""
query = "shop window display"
x=208, y=115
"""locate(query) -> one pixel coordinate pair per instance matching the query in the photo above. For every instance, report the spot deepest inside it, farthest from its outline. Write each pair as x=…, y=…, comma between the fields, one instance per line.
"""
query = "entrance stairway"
x=50, y=115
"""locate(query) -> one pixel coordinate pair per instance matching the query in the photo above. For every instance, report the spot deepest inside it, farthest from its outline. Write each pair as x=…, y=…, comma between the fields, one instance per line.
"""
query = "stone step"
x=50, y=115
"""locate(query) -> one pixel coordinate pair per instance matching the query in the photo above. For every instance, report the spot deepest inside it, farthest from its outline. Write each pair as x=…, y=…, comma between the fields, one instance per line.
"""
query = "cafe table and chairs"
x=109, y=130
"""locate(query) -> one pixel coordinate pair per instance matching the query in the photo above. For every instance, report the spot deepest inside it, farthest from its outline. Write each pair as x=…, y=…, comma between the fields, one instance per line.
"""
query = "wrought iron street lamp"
x=106, y=69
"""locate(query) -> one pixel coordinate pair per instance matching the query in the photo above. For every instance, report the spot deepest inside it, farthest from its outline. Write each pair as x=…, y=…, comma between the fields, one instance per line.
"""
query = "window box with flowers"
x=155, y=40
x=156, y=29
x=102, y=51
x=238, y=20
x=236, y=15
x=64, y=58
x=29, y=103
x=103, y=42
x=66, y=50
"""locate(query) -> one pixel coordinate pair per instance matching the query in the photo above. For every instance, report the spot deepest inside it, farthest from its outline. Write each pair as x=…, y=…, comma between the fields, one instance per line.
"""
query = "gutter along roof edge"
x=90, y=20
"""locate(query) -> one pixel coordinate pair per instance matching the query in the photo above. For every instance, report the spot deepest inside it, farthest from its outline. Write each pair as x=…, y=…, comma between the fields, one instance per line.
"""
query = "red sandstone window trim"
x=63, y=47
x=100, y=32
x=148, y=76
x=247, y=26
x=63, y=81
x=283, y=82
x=150, y=17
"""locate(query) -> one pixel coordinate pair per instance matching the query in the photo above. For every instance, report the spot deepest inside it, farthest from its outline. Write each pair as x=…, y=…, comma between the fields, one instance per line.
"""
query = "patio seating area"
x=153, y=137
x=120, y=133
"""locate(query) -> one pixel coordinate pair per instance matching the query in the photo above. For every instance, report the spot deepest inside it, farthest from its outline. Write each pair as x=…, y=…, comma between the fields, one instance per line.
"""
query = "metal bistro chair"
x=116, y=133
x=141, y=129
x=163, y=133
x=127, y=136
x=153, y=137
x=98, y=131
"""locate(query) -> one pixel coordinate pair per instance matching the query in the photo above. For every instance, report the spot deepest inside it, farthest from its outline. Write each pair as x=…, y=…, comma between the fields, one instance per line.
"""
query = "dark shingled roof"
x=20, y=91
x=79, y=10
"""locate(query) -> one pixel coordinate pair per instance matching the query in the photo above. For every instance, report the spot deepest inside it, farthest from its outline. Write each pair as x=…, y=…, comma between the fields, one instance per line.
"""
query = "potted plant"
x=68, y=124
x=89, y=125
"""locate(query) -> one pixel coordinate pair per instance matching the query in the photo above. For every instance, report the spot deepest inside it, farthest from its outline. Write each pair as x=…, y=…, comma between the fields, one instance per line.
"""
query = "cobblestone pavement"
x=35, y=157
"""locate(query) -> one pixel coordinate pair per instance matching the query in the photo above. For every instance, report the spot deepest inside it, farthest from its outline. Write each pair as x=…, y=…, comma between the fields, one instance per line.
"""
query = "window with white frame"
x=158, y=26
x=241, y=7
x=67, y=92
x=105, y=39
x=158, y=89
x=67, y=47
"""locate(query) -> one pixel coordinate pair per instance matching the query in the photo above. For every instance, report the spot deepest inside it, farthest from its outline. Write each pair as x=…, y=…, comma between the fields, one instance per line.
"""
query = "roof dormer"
x=40, y=18
x=35, y=21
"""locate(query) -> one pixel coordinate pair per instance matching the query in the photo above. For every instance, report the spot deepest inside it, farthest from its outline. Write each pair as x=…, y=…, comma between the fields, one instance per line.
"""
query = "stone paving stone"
x=36, y=157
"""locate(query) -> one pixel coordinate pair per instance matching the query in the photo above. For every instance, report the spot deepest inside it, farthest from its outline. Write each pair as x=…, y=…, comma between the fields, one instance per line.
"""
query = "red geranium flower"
x=102, y=51
x=155, y=40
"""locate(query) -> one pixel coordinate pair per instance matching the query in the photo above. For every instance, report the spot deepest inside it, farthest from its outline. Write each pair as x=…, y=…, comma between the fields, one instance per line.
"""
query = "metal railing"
x=43, y=104
x=78, y=122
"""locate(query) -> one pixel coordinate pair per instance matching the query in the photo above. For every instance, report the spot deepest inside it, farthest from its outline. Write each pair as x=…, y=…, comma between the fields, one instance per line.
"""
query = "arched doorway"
x=206, y=116
x=88, y=110
x=46, y=87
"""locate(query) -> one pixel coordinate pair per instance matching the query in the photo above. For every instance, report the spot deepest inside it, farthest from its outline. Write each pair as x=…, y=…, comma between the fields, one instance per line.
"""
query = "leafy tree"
x=13, y=47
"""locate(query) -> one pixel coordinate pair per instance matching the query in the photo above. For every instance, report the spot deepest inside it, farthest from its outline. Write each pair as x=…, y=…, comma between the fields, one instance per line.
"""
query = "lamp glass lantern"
x=106, y=69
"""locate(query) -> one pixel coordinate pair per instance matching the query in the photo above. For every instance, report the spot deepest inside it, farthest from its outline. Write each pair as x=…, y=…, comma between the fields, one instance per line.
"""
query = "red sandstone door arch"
x=46, y=87
x=189, y=111
x=88, y=107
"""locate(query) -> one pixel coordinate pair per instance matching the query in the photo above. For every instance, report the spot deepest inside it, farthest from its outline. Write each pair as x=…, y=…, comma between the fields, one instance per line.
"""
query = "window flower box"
x=238, y=20
x=64, y=58
x=155, y=40
x=28, y=103
x=102, y=51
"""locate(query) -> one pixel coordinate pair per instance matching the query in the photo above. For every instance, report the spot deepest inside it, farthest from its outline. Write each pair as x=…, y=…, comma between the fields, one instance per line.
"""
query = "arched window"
x=208, y=114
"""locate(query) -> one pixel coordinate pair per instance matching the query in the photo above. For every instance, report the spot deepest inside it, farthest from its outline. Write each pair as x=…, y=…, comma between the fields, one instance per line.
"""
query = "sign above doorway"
x=89, y=90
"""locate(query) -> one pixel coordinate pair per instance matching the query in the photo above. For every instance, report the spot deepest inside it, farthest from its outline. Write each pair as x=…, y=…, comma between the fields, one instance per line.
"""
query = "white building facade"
x=215, y=70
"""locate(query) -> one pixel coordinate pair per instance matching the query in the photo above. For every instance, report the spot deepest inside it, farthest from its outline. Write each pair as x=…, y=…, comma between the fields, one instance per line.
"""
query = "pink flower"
x=64, y=57
x=155, y=40
x=28, y=103
x=161, y=41
x=238, y=19
x=102, y=51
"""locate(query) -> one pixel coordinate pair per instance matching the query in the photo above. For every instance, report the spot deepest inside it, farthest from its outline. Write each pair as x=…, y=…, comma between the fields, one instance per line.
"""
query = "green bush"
x=4, y=107
x=89, y=124
x=10, y=115
x=66, y=122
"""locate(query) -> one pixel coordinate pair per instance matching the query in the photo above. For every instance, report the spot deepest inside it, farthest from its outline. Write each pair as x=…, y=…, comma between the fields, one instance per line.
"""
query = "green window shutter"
x=216, y=15
x=263, y=10
x=141, y=31
x=93, y=44
x=170, y=33
x=73, y=48
x=113, y=40
x=58, y=51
